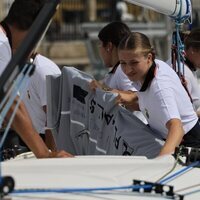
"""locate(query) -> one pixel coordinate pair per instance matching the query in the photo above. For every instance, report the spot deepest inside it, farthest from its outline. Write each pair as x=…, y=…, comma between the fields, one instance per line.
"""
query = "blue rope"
x=180, y=172
x=180, y=51
x=179, y=20
x=73, y=190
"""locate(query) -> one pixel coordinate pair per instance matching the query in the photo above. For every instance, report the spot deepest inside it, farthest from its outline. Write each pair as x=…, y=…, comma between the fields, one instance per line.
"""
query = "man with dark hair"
x=15, y=27
x=22, y=13
x=13, y=30
x=192, y=47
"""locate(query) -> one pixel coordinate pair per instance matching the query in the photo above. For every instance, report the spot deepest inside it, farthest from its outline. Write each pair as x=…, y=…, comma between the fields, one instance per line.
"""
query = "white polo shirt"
x=118, y=80
x=192, y=85
x=35, y=95
x=166, y=99
x=5, y=51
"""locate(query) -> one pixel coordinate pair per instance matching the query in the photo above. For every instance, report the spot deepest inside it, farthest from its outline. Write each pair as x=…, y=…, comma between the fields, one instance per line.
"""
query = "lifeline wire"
x=179, y=172
x=73, y=190
x=20, y=83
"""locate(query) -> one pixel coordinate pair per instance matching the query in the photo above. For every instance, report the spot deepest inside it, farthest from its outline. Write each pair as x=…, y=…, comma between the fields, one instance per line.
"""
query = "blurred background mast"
x=91, y=14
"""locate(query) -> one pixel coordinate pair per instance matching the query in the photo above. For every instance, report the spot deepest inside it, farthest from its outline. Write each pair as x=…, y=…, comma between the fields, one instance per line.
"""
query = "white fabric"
x=165, y=99
x=118, y=80
x=85, y=171
x=84, y=122
x=5, y=50
x=35, y=95
x=97, y=172
x=192, y=85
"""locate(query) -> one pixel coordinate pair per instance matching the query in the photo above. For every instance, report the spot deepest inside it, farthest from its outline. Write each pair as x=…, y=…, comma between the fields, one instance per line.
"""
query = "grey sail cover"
x=85, y=122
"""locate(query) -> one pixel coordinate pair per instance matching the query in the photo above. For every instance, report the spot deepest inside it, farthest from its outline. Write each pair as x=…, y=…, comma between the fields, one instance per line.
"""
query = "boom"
x=172, y=8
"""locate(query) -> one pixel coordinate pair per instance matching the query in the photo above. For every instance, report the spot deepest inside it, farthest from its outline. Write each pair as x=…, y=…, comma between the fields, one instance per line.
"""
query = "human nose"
x=127, y=69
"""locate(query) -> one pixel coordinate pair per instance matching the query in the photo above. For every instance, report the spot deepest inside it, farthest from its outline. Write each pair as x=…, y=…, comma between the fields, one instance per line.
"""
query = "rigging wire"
x=178, y=53
x=180, y=172
x=192, y=192
x=171, y=170
x=189, y=187
x=21, y=83
x=74, y=190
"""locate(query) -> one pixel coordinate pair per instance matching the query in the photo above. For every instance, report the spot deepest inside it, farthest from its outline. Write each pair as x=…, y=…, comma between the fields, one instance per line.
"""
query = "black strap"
x=149, y=77
x=8, y=32
x=190, y=64
x=114, y=68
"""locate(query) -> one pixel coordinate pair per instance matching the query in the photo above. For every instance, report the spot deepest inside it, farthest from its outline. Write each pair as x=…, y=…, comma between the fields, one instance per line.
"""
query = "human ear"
x=109, y=46
x=149, y=57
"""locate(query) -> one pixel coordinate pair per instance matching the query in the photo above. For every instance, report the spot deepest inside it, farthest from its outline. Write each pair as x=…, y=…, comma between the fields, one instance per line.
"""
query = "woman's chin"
x=132, y=78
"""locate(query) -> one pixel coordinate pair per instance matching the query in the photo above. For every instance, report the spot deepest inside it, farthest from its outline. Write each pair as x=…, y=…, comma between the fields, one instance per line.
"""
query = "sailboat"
x=105, y=176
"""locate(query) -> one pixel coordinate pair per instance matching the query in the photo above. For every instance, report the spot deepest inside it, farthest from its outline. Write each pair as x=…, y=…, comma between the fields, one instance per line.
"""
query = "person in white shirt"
x=6, y=53
x=35, y=98
x=162, y=98
x=116, y=81
x=13, y=30
x=192, y=85
x=188, y=76
x=192, y=47
x=192, y=50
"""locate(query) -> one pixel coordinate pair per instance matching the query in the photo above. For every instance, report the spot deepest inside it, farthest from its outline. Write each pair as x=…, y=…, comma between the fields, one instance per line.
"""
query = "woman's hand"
x=59, y=154
x=94, y=84
x=127, y=98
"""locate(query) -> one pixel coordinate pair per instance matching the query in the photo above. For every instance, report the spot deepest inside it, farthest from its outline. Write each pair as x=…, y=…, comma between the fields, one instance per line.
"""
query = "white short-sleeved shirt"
x=5, y=51
x=166, y=99
x=118, y=80
x=35, y=95
x=192, y=85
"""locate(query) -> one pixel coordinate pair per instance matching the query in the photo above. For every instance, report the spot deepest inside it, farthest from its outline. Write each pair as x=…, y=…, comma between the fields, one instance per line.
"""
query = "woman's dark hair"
x=193, y=40
x=113, y=32
x=138, y=42
x=22, y=13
